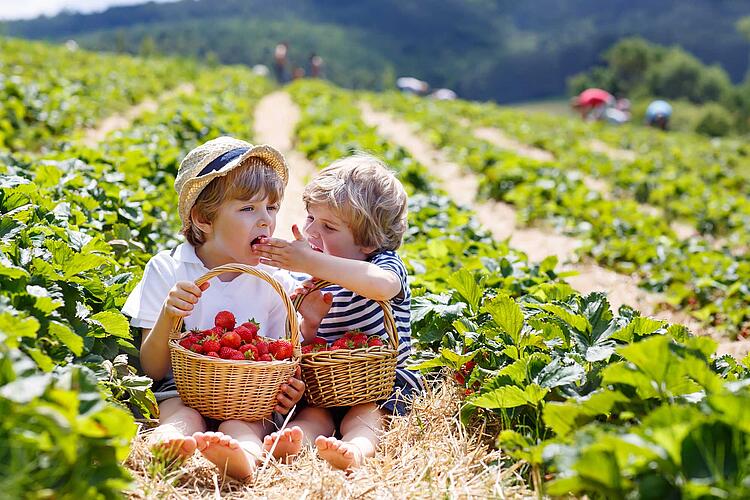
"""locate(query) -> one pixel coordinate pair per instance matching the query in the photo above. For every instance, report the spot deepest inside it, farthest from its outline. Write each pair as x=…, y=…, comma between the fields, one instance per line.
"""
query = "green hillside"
x=500, y=50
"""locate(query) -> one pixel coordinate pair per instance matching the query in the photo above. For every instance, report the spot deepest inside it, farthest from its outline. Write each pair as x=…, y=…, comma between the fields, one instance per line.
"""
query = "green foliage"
x=505, y=51
x=714, y=121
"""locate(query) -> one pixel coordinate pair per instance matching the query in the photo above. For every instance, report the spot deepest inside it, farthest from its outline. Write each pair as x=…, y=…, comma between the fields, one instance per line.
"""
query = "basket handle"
x=292, y=325
x=390, y=322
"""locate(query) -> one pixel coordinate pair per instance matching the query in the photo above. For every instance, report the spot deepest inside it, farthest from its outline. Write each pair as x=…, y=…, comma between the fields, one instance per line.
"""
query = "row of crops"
x=597, y=402
x=689, y=179
x=606, y=403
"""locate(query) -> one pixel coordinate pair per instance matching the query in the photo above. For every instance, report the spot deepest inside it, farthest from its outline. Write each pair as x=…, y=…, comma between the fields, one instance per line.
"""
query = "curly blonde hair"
x=367, y=196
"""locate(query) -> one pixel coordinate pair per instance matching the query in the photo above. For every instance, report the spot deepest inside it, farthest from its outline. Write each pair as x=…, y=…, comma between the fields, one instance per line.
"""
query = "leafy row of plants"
x=690, y=178
x=586, y=396
x=50, y=91
x=618, y=233
x=77, y=226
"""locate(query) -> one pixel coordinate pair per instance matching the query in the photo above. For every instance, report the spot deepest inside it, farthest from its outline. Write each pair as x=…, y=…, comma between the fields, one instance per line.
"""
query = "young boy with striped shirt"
x=356, y=220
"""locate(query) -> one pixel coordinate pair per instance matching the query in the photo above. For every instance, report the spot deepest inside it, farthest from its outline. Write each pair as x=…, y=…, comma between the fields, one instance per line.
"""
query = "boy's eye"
x=310, y=218
x=273, y=207
x=248, y=209
x=329, y=227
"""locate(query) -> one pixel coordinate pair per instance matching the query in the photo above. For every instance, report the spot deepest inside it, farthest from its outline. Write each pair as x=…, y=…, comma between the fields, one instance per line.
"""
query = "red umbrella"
x=594, y=97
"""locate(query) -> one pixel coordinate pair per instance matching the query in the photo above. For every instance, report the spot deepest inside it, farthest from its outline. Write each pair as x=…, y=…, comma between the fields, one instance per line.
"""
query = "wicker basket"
x=232, y=389
x=349, y=377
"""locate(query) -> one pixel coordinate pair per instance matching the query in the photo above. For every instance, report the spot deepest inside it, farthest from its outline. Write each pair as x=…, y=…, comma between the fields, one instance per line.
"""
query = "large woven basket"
x=232, y=389
x=349, y=377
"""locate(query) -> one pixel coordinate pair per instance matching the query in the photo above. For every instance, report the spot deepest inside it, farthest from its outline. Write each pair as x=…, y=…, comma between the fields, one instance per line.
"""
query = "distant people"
x=443, y=95
x=592, y=103
x=619, y=113
x=411, y=85
x=316, y=66
x=658, y=114
x=298, y=73
x=280, y=54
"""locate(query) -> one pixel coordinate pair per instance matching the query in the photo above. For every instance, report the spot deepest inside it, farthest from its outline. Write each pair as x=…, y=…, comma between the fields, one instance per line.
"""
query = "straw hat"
x=216, y=158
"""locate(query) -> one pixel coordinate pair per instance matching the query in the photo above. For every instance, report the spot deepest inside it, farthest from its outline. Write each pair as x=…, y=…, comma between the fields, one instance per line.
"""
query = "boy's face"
x=330, y=234
x=239, y=224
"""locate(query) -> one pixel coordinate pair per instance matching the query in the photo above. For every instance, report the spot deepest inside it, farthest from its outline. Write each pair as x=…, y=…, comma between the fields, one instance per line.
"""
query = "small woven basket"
x=349, y=377
x=231, y=389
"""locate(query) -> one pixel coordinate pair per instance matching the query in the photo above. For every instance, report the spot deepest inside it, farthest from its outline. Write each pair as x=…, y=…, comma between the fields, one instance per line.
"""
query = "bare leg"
x=174, y=436
x=235, y=449
x=308, y=423
x=360, y=431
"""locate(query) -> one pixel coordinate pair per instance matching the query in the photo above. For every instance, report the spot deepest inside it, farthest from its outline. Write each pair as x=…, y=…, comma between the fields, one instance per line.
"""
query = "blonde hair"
x=365, y=194
x=253, y=179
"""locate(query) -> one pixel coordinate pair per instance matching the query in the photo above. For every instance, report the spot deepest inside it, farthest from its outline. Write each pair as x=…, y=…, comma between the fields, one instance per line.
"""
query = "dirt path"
x=275, y=118
x=93, y=136
x=537, y=243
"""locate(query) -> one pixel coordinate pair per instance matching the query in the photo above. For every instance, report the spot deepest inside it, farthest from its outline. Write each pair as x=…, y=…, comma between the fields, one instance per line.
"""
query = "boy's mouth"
x=315, y=247
x=258, y=239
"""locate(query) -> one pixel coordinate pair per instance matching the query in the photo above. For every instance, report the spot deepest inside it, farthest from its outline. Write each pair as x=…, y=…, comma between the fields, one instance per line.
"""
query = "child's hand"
x=314, y=308
x=182, y=297
x=291, y=255
x=290, y=393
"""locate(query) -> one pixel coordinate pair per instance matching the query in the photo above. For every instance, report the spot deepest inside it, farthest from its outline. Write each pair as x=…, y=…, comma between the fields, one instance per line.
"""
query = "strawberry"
x=237, y=355
x=212, y=354
x=211, y=344
x=345, y=342
x=225, y=352
x=374, y=341
x=360, y=340
x=231, y=339
x=197, y=348
x=281, y=349
x=251, y=325
x=225, y=319
x=262, y=347
x=318, y=344
x=217, y=330
x=245, y=333
x=186, y=343
x=265, y=357
x=250, y=351
x=460, y=378
x=307, y=349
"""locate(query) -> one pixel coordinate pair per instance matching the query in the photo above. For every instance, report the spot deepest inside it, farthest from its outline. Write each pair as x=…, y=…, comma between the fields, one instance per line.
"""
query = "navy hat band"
x=221, y=161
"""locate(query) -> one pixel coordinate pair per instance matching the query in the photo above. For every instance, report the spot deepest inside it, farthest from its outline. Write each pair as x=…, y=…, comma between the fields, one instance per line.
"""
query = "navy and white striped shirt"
x=350, y=311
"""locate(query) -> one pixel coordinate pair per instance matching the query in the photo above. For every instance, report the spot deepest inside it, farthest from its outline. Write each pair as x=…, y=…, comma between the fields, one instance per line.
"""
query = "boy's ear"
x=367, y=250
x=199, y=221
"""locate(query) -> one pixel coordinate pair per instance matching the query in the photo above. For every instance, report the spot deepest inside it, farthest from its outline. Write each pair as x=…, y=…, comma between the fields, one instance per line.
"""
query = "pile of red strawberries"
x=350, y=340
x=240, y=343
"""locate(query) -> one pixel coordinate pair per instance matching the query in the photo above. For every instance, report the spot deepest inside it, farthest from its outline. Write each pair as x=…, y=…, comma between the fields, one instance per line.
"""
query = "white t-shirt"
x=246, y=296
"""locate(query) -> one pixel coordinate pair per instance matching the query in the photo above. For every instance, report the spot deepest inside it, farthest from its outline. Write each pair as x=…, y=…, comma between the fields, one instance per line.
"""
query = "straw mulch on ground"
x=427, y=454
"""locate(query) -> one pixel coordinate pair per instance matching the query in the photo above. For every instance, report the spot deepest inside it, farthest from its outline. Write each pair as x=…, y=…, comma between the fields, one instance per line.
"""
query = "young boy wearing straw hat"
x=229, y=195
x=356, y=220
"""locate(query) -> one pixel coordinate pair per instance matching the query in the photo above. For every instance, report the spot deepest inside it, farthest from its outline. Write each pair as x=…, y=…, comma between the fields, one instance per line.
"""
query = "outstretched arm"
x=361, y=277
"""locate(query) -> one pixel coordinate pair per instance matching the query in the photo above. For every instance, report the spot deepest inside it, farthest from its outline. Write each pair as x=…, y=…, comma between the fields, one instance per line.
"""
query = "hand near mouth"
x=292, y=255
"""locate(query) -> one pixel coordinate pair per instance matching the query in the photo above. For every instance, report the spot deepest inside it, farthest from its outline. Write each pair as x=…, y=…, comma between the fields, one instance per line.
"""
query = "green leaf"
x=466, y=285
x=506, y=314
x=80, y=263
x=67, y=337
x=14, y=328
x=113, y=323
x=560, y=372
x=575, y=320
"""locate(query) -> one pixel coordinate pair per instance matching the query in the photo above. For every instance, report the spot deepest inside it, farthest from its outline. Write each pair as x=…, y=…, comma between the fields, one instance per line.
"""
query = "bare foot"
x=167, y=442
x=225, y=452
x=289, y=443
x=339, y=454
